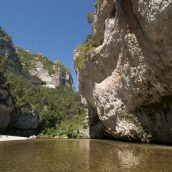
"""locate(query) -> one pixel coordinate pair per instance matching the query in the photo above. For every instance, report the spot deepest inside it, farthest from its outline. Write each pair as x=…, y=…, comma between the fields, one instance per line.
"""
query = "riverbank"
x=4, y=138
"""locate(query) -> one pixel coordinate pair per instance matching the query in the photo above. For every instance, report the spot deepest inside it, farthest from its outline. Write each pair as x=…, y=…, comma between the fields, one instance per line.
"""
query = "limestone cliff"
x=41, y=71
x=125, y=71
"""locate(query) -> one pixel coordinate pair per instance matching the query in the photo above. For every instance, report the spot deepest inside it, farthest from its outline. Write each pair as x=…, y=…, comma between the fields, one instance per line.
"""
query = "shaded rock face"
x=157, y=119
x=6, y=107
x=23, y=123
x=131, y=68
x=92, y=127
x=7, y=50
x=24, y=120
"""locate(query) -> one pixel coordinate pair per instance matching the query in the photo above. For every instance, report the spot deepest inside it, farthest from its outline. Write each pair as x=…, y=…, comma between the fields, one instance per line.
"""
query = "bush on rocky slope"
x=98, y=2
x=83, y=51
x=3, y=35
x=29, y=61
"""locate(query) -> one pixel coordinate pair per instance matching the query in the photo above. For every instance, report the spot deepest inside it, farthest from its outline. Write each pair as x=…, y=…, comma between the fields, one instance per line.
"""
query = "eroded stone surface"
x=131, y=66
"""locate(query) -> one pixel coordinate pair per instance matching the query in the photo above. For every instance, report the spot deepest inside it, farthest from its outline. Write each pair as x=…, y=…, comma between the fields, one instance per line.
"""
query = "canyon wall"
x=126, y=75
x=19, y=67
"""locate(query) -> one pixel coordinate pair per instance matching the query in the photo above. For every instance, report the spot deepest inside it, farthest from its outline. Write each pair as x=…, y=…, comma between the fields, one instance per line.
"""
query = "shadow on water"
x=84, y=156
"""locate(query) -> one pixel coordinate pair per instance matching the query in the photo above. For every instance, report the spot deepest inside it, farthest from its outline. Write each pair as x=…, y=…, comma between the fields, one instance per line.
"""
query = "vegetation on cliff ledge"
x=83, y=50
x=142, y=135
x=4, y=36
x=98, y=2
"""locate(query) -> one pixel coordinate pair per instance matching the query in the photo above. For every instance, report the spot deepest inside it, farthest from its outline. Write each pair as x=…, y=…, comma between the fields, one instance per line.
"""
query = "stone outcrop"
x=126, y=78
x=23, y=123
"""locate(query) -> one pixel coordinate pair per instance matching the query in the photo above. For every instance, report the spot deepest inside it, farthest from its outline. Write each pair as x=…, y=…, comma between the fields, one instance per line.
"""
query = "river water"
x=83, y=156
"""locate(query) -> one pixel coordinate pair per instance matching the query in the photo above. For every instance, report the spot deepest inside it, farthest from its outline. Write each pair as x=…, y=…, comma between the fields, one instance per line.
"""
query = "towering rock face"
x=126, y=78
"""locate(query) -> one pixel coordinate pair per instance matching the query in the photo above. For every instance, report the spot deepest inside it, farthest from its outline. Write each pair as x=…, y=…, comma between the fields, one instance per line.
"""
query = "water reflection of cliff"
x=83, y=156
x=116, y=156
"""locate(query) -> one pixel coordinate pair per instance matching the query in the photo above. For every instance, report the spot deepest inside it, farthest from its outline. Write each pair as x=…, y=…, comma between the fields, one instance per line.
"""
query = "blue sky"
x=51, y=27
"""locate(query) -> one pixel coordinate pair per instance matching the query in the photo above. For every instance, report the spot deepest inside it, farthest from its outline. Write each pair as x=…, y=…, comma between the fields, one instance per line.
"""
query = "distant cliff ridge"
x=41, y=71
x=124, y=70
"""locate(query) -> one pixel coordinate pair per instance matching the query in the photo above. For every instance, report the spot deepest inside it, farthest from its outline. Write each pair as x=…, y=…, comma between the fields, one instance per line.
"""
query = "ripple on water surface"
x=83, y=156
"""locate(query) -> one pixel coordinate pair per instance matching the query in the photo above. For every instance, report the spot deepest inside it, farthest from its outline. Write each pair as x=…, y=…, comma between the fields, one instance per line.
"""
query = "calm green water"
x=83, y=156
